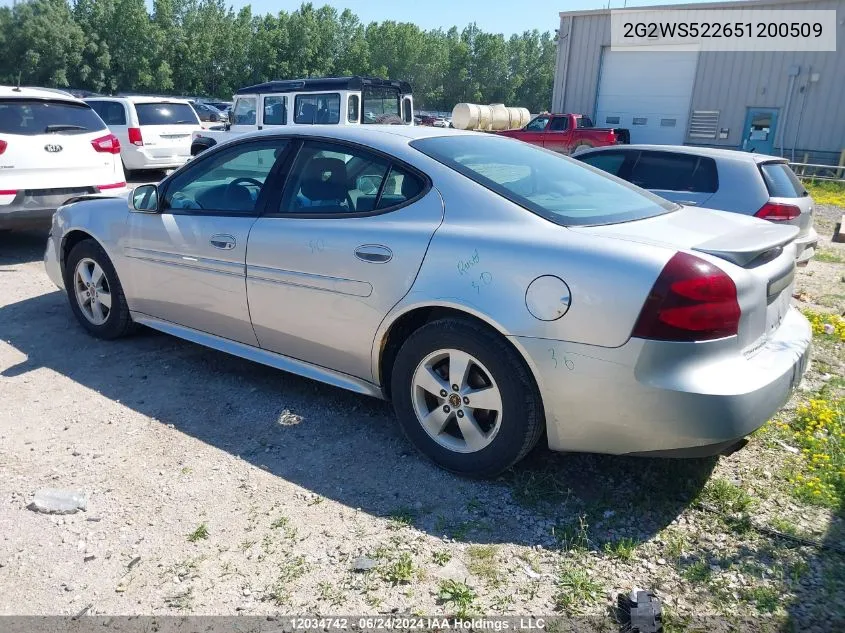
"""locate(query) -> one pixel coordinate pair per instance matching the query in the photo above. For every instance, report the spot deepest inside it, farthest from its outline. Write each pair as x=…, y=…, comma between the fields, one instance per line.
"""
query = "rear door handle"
x=223, y=241
x=374, y=253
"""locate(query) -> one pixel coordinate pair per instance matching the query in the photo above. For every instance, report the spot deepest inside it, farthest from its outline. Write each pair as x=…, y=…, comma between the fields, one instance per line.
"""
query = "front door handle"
x=374, y=253
x=223, y=241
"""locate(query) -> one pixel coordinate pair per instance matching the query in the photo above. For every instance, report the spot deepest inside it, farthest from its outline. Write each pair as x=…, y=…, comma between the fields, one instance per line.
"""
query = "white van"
x=154, y=132
x=53, y=147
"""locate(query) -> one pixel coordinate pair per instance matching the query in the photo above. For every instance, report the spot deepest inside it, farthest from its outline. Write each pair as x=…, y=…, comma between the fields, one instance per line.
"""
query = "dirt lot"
x=218, y=486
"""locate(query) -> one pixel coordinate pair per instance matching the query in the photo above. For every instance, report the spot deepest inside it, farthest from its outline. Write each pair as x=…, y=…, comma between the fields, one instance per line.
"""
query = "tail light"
x=777, y=212
x=106, y=144
x=135, y=136
x=692, y=300
x=3, y=146
x=8, y=192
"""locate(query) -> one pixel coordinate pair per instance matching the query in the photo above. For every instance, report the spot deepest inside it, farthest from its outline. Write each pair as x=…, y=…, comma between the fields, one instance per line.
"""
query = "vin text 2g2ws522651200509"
x=575, y=304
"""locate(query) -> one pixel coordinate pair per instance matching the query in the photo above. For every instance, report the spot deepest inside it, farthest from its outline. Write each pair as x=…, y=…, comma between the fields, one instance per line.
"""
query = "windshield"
x=165, y=114
x=32, y=117
x=380, y=103
x=553, y=186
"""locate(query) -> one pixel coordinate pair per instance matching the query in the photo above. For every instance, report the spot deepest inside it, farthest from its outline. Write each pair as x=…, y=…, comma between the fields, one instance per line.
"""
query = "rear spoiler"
x=743, y=247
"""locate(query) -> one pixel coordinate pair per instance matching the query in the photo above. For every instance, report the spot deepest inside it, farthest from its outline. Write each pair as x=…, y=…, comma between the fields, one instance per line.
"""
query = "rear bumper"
x=806, y=246
x=141, y=158
x=678, y=399
x=27, y=209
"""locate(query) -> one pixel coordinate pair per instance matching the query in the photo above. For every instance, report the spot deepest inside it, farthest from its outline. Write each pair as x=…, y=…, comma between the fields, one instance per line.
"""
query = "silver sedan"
x=495, y=292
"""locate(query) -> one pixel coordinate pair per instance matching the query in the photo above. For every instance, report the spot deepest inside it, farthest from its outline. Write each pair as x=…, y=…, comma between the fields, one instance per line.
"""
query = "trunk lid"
x=758, y=255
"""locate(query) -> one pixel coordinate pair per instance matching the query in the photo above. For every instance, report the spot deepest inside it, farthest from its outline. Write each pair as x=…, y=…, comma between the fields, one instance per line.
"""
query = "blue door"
x=758, y=133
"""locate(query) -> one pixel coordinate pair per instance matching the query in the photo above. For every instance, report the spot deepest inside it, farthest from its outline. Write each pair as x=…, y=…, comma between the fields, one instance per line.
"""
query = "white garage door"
x=647, y=92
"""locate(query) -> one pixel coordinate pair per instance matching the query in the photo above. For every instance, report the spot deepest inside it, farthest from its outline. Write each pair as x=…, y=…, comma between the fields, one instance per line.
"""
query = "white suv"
x=154, y=132
x=52, y=147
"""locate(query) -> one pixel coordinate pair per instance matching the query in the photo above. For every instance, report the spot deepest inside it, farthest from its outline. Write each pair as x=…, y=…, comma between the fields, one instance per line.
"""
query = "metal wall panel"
x=729, y=82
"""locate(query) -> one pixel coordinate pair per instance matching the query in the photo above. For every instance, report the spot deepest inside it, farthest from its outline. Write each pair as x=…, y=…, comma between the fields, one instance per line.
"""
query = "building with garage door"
x=789, y=103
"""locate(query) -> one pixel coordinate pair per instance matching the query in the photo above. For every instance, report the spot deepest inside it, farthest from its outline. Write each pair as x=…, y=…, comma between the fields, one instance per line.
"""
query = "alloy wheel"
x=457, y=401
x=93, y=294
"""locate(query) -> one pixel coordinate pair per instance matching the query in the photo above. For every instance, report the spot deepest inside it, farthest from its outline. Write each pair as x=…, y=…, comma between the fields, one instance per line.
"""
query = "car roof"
x=322, y=84
x=712, y=152
x=363, y=133
x=140, y=99
x=8, y=92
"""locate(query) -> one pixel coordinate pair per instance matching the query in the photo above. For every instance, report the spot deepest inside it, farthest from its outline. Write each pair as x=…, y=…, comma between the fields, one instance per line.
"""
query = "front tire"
x=465, y=399
x=94, y=291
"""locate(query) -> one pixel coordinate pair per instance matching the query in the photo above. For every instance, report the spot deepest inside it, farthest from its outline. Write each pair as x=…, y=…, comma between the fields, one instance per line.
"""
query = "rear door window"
x=675, y=172
x=27, y=117
x=781, y=181
x=584, y=121
x=165, y=114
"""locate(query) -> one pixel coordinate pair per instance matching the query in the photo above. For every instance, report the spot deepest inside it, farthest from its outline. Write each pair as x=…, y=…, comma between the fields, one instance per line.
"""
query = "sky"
x=496, y=16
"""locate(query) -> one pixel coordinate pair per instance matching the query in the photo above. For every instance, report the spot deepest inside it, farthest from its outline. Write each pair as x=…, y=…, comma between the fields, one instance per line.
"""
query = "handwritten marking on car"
x=465, y=264
x=317, y=246
x=566, y=361
x=484, y=279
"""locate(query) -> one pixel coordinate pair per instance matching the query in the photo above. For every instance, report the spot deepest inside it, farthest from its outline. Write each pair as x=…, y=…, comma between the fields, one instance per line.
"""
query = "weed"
x=675, y=544
x=456, y=593
x=400, y=570
x=290, y=571
x=818, y=428
x=281, y=522
x=623, y=549
x=576, y=590
x=330, y=593
x=400, y=518
x=826, y=192
x=829, y=256
x=783, y=525
x=826, y=326
x=442, y=557
x=530, y=488
x=482, y=562
x=186, y=470
x=767, y=599
x=572, y=537
x=726, y=496
x=199, y=534
x=183, y=601
x=697, y=572
x=245, y=545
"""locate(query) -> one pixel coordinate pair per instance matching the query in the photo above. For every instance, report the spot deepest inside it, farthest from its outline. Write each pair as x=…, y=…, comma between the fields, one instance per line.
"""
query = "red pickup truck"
x=566, y=133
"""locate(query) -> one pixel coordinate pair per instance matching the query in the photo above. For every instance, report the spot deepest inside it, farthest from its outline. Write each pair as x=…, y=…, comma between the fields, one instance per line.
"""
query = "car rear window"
x=555, y=187
x=781, y=181
x=165, y=114
x=669, y=171
x=37, y=116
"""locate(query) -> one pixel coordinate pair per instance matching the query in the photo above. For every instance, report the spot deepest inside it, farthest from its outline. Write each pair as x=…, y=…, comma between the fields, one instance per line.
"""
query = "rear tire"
x=94, y=291
x=475, y=441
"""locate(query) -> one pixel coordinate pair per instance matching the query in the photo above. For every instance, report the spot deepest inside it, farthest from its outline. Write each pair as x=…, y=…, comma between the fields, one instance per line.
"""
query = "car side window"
x=611, y=162
x=674, y=172
x=537, y=125
x=275, y=110
x=559, y=124
x=337, y=179
x=229, y=182
x=245, y=111
x=318, y=109
x=352, y=108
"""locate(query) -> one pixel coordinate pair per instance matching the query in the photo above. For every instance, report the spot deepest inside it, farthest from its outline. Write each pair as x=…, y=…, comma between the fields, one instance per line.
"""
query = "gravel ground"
x=218, y=486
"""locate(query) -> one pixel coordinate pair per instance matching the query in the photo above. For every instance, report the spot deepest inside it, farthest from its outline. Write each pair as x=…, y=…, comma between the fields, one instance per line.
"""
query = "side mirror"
x=214, y=117
x=144, y=199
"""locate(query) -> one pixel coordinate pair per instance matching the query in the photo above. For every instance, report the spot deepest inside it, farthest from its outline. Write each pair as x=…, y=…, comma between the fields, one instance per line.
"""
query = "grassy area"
x=825, y=192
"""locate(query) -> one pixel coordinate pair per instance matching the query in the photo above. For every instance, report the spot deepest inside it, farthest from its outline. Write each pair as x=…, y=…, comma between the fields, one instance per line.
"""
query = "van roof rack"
x=324, y=83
